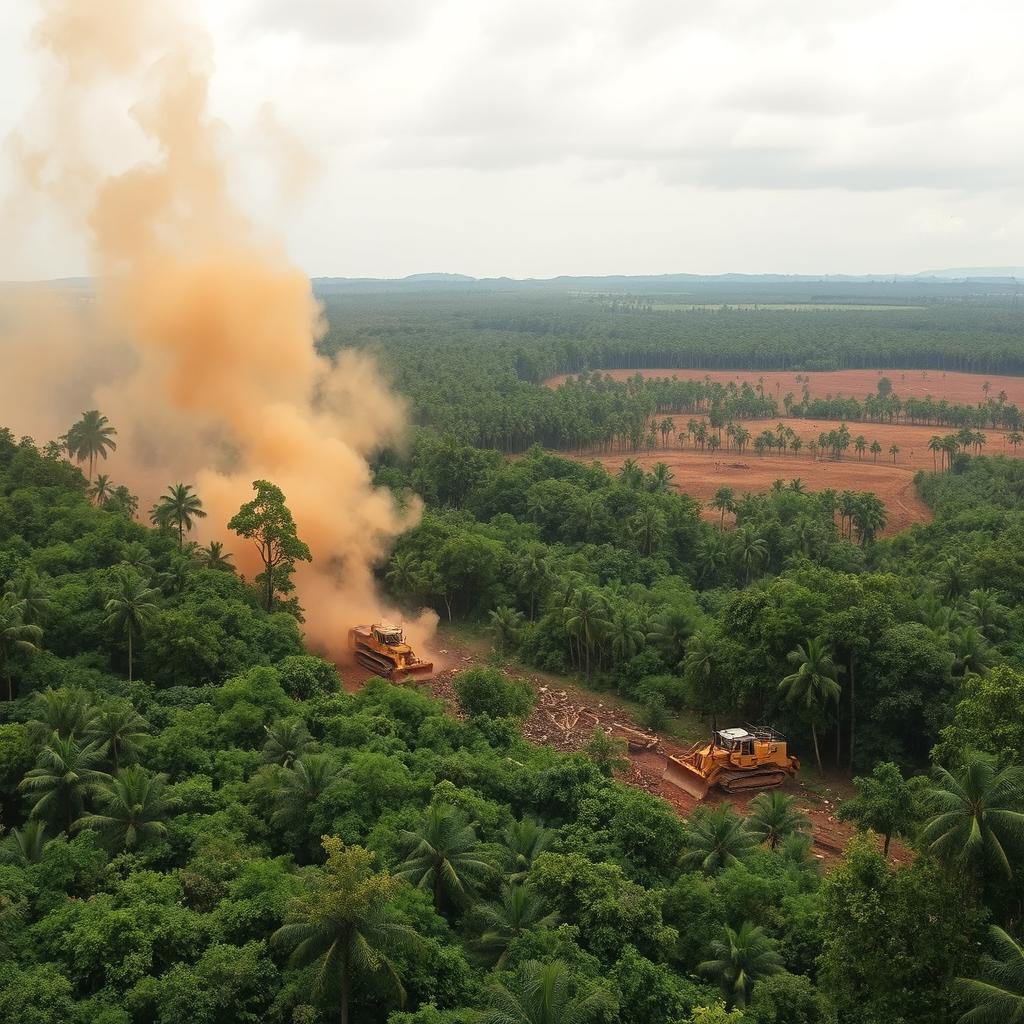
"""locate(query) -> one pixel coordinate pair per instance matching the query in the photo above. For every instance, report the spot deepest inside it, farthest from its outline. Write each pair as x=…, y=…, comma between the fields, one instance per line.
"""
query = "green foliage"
x=986, y=718
x=487, y=691
x=884, y=803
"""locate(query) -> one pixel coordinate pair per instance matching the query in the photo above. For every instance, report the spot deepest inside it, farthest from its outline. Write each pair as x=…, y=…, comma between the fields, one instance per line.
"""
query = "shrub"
x=486, y=691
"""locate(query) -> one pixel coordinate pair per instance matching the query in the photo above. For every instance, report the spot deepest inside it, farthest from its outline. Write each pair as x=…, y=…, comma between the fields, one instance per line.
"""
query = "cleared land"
x=954, y=387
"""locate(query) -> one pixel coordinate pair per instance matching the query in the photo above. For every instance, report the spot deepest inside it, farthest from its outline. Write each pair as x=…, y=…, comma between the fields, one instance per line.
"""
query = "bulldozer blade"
x=681, y=775
x=421, y=673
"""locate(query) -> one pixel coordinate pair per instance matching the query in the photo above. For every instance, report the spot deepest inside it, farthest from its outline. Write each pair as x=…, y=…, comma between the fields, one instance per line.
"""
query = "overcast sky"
x=539, y=137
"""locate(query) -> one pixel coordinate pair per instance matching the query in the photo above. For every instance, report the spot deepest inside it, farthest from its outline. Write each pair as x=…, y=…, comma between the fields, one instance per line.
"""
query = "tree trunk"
x=346, y=984
x=885, y=848
x=10, y=684
x=817, y=752
x=129, y=654
x=853, y=709
x=270, y=589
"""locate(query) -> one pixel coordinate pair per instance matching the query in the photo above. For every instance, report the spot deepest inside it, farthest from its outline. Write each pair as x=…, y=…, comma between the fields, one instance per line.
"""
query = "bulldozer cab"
x=390, y=635
x=740, y=745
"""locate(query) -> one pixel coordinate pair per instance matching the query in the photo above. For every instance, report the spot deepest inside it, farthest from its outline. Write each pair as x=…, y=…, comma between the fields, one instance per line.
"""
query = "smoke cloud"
x=200, y=345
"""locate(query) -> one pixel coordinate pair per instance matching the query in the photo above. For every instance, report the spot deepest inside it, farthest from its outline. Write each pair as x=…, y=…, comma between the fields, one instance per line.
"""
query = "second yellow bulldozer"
x=381, y=648
x=734, y=760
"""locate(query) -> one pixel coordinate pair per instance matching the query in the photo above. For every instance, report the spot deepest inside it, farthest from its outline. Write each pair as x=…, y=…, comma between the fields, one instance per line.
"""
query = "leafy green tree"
x=516, y=912
x=16, y=635
x=525, y=840
x=91, y=437
x=488, y=691
x=813, y=686
x=884, y=803
x=739, y=958
x=977, y=815
x=268, y=523
x=986, y=718
x=287, y=740
x=444, y=857
x=788, y=999
x=132, y=808
x=544, y=993
x=117, y=729
x=608, y=753
x=773, y=818
x=346, y=924
x=715, y=838
x=997, y=995
x=65, y=776
x=130, y=608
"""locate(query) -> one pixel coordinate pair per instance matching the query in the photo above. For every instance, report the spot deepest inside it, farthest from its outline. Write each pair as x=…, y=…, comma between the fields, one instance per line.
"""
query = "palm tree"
x=66, y=713
x=287, y=739
x=525, y=841
x=670, y=631
x=64, y=776
x=117, y=729
x=813, y=685
x=130, y=609
x=626, y=635
x=27, y=587
x=532, y=573
x=749, y=551
x=715, y=838
x=133, y=806
x=773, y=817
x=101, y=490
x=859, y=444
x=977, y=814
x=518, y=910
x=213, y=556
x=301, y=785
x=997, y=997
x=177, y=508
x=875, y=449
x=660, y=477
x=894, y=450
x=934, y=446
x=25, y=845
x=740, y=958
x=505, y=624
x=136, y=556
x=90, y=437
x=647, y=528
x=987, y=612
x=542, y=993
x=444, y=857
x=725, y=501
x=16, y=635
x=631, y=474
x=587, y=621
x=345, y=925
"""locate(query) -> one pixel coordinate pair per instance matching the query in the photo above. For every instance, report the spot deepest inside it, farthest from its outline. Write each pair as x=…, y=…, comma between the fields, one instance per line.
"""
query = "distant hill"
x=976, y=273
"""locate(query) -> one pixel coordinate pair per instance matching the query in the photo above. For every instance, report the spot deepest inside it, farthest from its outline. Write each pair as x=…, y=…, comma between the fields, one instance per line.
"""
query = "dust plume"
x=201, y=346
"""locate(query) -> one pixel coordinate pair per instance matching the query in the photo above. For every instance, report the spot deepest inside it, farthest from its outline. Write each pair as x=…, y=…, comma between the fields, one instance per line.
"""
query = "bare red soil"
x=954, y=387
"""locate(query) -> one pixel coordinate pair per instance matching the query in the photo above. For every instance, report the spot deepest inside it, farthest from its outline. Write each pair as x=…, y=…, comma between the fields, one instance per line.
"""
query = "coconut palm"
x=178, y=508
x=16, y=635
x=136, y=556
x=631, y=474
x=715, y=838
x=647, y=529
x=132, y=806
x=525, y=841
x=213, y=556
x=813, y=686
x=301, y=785
x=997, y=995
x=749, y=551
x=90, y=438
x=977, y=815
x=504, y=624
x=28, y=588
x=773, y=817
x=586, y=621
x=25, y=845
x=287, y=740
x=344, y=923
x=101, y=490
x=660, y=477
x=64, y=713
x=625, y=635
x=670, y=631
x=875, y=449
x=725, y=501
x=543, y=993
x=130, y=608
x=444, y=857
x=65, y=775
x=894, y=450
x=499, y=922
x=987, y=612
x=740, y=958
x=117, y=729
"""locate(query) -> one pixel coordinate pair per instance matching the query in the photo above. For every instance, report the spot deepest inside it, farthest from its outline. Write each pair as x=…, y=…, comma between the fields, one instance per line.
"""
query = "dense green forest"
x=200, y=824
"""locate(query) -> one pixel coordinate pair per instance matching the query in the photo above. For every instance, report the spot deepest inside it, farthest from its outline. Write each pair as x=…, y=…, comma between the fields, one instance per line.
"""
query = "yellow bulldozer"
x=734, y=760
x=381, y=647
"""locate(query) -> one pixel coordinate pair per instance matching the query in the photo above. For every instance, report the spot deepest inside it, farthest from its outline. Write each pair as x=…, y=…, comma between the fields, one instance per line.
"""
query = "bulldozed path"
x=565, y=716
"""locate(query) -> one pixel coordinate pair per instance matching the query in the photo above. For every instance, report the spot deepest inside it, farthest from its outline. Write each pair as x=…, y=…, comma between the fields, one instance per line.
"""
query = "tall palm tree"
x=301, y=785
x=136, y=556
x=16, y=635
x=631, y=474
x=813, y=686
x=587, y=621
x=101, y=490
x=64, y=777
x=517, y=910
x=543, y=993
x=725, y=501
x=997, y=996
x=626, y=635
x=213, y=556
x=977, y=815
x=287, y=739
x=444, y=857
x=773, y=817
x=117, y=729
x=740, y=958
x=749, y=551
x=715, y=838
x=25, y=845
x=525, y=841
x=91, y=437
x=130, y=609
x=344, y=923
x=647, y=529
x=133, y=806
x=28, y=588
x=504, y=624
x=64, y=713
x=660, y=477
x=178, y=508
x=670, y=631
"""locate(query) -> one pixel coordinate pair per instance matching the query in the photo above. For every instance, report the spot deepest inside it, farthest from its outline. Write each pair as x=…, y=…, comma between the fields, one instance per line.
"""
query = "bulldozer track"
x=738, y=782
